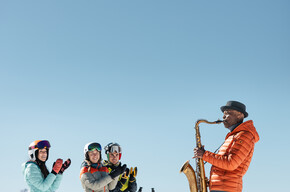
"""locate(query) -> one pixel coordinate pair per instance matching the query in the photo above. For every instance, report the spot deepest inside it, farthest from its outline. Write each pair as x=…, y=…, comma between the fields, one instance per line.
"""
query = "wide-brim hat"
x=235, y=105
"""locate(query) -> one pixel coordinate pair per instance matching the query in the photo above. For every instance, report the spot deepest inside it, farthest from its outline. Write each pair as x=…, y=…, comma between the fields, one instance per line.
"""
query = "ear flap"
x=120, y=154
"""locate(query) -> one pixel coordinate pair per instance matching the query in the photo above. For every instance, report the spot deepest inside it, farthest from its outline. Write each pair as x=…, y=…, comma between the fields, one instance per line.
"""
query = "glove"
x=65, y=165
x=133, y=174
x=56, y=166
x=118, y=170
x=106, y=163
x=110, y=167
x=124, y=176
x=126, y=173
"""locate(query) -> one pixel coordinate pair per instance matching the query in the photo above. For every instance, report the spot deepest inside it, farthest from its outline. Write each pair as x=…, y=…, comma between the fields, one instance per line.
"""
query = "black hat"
x=236, y=106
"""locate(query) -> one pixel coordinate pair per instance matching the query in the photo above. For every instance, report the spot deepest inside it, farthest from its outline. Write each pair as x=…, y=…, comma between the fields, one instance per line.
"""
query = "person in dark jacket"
x=127, y=181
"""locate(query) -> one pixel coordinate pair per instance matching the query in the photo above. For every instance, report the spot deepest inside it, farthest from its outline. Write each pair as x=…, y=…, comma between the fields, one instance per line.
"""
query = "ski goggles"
x=115, y=148
x=94, y=146
x=41, y=145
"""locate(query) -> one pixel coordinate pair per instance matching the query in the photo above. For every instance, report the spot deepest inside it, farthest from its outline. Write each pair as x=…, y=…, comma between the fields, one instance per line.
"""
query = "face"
x=114, y=157
x=94, y=156
x=42, y=154
x=232, y=117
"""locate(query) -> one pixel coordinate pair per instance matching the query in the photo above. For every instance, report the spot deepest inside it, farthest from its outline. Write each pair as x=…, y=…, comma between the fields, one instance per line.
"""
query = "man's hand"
x=198, y=152
x=118, y=170
x=133, y=174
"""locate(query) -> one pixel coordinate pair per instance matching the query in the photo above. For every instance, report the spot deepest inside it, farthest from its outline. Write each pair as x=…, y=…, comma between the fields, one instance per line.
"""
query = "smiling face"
x=114, y=157
x=94, y=156
x=42, y=154
x=232, y=117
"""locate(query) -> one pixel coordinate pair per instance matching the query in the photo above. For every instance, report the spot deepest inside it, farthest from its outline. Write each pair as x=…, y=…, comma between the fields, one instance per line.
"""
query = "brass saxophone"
x=197, y=181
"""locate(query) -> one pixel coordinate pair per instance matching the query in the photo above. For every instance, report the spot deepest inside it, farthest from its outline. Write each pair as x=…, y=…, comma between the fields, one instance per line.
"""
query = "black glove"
x=110, y=167
x=65, y=165
x=106, y=163
x=133, y=174
x=124, y=176
x=118, y=171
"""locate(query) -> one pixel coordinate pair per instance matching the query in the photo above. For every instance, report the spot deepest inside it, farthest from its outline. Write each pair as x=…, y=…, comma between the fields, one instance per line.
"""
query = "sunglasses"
x=41, y=145
x=94, y=146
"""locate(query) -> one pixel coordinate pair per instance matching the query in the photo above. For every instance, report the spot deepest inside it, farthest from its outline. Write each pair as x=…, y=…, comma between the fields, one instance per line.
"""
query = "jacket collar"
x=246, y=126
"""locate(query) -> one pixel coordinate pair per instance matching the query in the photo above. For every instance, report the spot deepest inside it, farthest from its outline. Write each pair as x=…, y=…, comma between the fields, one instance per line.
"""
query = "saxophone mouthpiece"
x=219, y=121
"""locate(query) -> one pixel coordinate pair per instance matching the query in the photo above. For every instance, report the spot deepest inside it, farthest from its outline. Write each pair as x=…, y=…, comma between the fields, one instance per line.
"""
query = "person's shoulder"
x=31, y=168
x=84, y=173
x=30, y=164
x=244, y=137
x=84, y=170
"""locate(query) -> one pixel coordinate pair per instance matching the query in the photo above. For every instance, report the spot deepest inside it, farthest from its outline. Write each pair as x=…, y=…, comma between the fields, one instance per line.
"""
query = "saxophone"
x=197, y=180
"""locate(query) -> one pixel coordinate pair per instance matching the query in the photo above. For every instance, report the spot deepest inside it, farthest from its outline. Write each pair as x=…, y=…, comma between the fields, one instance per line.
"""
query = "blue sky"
x=140, y=73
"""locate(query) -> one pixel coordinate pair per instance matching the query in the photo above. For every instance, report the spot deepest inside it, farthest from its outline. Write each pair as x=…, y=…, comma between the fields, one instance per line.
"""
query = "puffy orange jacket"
x=233, y=159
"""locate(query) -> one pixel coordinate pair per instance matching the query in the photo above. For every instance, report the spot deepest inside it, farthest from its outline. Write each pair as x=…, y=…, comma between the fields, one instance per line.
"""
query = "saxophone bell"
x=197, y=180
x=190, y=175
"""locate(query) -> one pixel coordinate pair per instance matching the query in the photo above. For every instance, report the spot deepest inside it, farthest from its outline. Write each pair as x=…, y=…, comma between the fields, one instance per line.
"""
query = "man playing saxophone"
x=230, y=164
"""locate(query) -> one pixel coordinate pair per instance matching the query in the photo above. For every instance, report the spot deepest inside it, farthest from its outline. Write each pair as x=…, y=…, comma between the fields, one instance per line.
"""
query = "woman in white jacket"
x=94, y=176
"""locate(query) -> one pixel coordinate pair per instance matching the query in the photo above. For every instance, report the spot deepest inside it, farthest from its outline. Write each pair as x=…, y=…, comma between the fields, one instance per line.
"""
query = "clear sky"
x=140, y=73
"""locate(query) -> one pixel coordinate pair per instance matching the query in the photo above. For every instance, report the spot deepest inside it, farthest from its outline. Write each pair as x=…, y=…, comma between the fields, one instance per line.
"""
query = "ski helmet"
x=35, y=145
x=91, y=147
x=113, y=147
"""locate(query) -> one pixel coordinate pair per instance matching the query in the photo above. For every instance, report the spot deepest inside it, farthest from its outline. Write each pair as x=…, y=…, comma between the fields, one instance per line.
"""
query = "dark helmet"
x=113, y=147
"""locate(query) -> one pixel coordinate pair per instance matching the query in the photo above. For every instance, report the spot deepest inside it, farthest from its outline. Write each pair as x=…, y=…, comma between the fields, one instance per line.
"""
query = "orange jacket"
x=233, y=159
